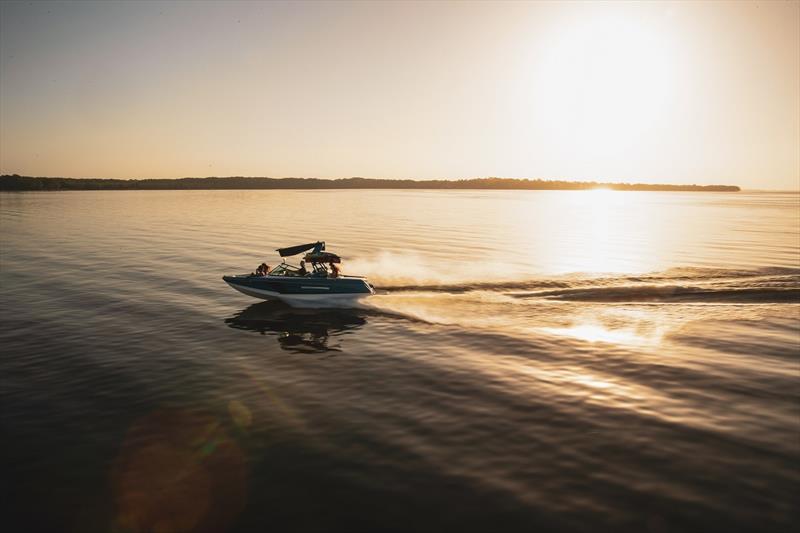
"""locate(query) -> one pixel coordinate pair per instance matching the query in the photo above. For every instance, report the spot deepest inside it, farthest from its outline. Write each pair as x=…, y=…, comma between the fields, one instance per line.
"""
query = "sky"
x=672, y=92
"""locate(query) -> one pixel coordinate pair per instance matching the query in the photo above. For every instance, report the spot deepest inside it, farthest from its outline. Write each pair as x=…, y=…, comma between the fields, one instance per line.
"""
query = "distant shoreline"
x=15, y=182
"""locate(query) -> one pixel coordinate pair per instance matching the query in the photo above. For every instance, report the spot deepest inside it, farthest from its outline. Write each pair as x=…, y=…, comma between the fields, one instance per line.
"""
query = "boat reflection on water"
x=299, y=330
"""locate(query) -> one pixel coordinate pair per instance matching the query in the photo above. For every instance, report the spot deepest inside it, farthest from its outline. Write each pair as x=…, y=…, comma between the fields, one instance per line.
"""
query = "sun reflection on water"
x=597, y=333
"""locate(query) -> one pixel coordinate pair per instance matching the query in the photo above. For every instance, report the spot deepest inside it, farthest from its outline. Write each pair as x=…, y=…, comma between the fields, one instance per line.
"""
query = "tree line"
x=15, y=182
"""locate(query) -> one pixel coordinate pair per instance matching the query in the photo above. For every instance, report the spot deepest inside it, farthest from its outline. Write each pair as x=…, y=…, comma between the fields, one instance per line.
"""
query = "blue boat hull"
x=302, y=291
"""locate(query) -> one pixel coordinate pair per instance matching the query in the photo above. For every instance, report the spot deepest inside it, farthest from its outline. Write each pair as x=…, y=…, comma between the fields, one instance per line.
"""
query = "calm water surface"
x=534, y=361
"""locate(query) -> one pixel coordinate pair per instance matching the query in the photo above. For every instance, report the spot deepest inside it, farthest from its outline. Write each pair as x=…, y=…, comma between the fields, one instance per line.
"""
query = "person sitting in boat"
x=262, y=270
x=334, y=270
x=302, y=270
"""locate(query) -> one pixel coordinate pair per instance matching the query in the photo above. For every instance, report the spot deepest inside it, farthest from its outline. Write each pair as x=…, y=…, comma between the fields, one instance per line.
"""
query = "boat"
x=317, y=287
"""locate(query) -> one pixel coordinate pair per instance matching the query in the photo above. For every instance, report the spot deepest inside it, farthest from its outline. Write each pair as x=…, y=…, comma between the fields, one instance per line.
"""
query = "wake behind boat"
x=296, y=286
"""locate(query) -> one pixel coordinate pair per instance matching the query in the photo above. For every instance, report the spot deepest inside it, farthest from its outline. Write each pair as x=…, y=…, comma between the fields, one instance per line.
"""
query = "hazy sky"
x=652, y=92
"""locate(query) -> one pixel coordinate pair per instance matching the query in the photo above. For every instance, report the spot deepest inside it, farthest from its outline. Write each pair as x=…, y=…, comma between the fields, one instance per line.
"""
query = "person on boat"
x=302, y=270
x=334, y=270
x=262, y=270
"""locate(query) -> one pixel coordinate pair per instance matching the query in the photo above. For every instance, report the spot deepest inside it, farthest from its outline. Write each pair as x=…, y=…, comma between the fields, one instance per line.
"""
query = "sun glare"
x=604, y=82
x=596, y=333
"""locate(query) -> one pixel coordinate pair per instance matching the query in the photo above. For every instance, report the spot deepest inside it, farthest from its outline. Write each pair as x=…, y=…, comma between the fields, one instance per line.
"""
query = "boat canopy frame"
x=315, y=256
x=318, y=247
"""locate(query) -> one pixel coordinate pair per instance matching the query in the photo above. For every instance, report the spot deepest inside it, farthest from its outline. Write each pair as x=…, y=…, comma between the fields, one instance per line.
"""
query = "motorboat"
x=320, y=286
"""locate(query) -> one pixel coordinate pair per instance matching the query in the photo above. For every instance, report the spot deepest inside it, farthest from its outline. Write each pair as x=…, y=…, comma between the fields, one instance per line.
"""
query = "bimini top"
x=317, y=255
x=318, y=246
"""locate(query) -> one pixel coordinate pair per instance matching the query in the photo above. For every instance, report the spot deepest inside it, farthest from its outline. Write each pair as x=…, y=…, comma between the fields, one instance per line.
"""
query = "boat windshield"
x=284, y=270
x=318, y=270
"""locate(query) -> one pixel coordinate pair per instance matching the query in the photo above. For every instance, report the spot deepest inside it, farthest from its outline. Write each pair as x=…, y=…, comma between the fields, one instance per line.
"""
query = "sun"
x=605, y=83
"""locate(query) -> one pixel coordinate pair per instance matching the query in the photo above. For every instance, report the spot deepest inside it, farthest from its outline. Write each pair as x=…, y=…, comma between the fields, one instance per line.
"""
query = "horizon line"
x=416, y=180
x=19, y=182
x=609, y=181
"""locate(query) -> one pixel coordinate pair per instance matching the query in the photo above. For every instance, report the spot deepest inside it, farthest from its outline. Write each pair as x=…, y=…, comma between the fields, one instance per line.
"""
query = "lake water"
x=533, y=361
